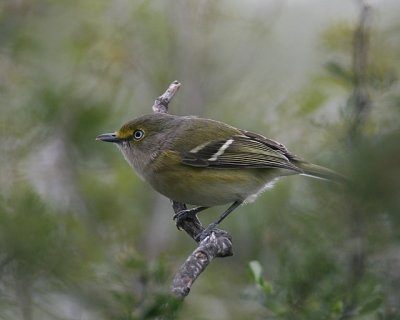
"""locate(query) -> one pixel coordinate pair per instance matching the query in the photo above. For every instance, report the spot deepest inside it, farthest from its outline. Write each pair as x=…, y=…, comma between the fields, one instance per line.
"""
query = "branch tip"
x=162, y=102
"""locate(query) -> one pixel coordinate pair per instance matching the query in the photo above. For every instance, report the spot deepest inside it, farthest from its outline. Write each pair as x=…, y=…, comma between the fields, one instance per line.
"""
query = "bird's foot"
x=207, y=232
x=186, y=214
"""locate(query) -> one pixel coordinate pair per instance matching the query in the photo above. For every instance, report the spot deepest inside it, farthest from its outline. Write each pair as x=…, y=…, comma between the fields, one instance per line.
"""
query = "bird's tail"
x=319, y=172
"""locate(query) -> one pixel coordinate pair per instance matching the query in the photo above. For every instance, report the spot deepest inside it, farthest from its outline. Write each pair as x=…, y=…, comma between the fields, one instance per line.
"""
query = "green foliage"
x=316, y=296
x=36, y=242
x=147, y=300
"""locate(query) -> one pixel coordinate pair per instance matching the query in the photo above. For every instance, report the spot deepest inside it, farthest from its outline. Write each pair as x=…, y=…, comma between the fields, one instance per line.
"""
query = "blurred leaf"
x=339, y=72
x=338, y=37
x=311, y=99
x=371, y=306
x=256, y=271
x=337, y=308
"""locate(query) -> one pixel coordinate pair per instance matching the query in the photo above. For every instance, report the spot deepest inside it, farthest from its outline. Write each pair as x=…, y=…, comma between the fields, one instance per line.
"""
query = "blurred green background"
x=81, y=237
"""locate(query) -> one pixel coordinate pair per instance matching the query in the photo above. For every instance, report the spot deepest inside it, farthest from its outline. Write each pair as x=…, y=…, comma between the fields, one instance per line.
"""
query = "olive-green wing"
x=240, y=151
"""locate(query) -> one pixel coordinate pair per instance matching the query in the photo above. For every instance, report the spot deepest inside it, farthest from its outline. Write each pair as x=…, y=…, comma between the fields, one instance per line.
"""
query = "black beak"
x=108, y=137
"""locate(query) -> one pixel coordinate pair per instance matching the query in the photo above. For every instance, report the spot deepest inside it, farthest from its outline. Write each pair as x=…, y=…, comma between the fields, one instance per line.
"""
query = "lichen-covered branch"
x=217, y=244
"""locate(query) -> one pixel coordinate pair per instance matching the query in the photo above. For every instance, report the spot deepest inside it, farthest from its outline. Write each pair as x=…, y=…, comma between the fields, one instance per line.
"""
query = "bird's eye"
x=138, y=134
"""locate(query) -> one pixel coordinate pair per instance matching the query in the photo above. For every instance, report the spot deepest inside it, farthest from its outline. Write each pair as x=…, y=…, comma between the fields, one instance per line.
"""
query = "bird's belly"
x=211, y=187
x=207, y=195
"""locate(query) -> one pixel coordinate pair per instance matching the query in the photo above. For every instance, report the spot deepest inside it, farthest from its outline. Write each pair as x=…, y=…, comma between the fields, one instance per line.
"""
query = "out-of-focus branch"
x=360, y=99
x=217, y=244
x=360, y=103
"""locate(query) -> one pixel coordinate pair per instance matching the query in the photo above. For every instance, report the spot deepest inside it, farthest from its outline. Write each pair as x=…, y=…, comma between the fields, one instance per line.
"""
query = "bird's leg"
x=213, y=225
x=188, y=213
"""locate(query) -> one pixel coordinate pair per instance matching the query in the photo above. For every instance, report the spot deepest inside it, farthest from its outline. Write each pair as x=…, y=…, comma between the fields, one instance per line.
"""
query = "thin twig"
x=217, y=244
x=161, y=103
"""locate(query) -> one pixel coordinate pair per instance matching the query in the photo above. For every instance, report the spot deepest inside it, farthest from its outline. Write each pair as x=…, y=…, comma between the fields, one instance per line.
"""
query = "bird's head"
x=140, y=139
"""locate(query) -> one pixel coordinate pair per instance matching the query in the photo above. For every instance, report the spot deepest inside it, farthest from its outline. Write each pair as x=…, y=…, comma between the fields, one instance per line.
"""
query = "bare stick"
x=217, y=244
x=161, y=103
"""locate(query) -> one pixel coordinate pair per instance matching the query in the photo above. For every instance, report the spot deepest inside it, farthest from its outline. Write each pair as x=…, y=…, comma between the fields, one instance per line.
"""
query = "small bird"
x=205, y=163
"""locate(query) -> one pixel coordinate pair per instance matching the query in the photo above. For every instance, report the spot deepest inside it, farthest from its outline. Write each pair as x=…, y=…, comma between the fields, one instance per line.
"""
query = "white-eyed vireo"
x=204, y=162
